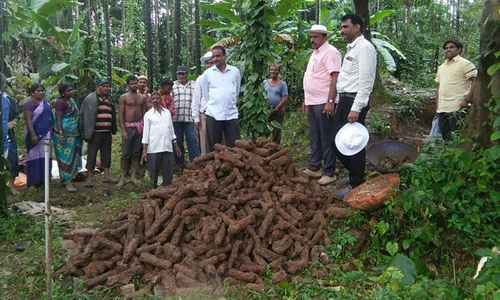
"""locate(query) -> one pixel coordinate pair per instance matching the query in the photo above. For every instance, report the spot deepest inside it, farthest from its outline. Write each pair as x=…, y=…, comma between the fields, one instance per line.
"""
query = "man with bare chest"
x=132, y=107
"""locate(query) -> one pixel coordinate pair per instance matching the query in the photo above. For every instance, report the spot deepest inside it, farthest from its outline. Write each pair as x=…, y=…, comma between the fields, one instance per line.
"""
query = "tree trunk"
x=156, y=22
x=317, y=9
x=108, y=40
x=197, y=36
x=149, y=40
x=362, y=9
x=177, y=36
x=3, y=28
x=478, y=126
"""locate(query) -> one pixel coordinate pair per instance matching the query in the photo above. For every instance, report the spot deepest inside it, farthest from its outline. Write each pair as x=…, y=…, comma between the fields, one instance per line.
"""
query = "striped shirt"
x=183, y=95
x=104, y=116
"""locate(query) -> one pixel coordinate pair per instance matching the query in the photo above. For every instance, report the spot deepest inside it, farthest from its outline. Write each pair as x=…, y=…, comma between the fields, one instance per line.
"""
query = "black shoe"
x=341, y=193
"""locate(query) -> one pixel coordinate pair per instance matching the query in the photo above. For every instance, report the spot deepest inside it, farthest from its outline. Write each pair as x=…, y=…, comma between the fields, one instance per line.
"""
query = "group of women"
x=42, y=126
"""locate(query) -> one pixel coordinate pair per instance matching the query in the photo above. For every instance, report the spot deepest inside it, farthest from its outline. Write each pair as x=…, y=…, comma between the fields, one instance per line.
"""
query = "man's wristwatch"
x=330, y=100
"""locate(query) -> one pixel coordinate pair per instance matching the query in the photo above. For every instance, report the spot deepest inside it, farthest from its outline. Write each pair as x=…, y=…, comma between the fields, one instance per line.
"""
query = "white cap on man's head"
x=206, y=56
x=316, y=28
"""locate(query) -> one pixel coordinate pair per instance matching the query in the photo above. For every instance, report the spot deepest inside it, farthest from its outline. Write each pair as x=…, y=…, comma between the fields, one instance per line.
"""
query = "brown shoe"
x=312, y=174
x=325, y=180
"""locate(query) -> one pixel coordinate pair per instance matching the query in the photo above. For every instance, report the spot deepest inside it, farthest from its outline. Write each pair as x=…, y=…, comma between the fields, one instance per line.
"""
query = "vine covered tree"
x=484, y=118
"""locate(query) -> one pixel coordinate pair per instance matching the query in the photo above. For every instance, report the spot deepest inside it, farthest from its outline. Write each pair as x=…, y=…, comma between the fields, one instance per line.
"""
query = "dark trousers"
x=451, y=122
x=278, y=116
x=163, y=161
x=13, y=159
x=101, y=141
x=355, y=164
x=132, y=146
x=216, y=129
x=321, y=140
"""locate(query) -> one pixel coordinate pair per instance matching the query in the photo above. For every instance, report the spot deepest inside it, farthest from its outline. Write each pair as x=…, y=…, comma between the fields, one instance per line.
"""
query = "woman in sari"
x=38, y=125
x=67, y=140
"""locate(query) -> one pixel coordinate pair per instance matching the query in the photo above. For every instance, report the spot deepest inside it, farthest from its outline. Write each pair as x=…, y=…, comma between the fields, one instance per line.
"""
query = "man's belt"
x=348, y=95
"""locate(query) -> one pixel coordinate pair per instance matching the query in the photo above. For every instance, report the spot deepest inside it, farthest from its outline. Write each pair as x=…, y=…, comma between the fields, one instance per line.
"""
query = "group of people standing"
x=154, y=125
x=336, y=93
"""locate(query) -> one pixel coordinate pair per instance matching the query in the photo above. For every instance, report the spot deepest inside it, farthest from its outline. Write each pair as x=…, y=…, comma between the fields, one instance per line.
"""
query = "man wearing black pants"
x=354, y=85
x=220, y=87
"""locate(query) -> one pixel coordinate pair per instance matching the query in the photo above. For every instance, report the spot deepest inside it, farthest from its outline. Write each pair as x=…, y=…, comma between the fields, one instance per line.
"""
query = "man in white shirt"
x=199, y=105
x=158, y=142
x=354, y=86
x=220, y=87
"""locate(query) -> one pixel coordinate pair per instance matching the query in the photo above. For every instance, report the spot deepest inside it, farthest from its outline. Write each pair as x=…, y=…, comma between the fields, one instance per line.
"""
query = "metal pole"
x=48, y=221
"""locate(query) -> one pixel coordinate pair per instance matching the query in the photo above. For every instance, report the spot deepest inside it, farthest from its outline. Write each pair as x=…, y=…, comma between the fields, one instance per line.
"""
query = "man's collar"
x=322, y=47
x=456, y=58
x=356, y=41
x=215, y=68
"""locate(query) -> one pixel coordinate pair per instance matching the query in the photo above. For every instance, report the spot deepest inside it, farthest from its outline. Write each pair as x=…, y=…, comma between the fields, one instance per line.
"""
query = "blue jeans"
x=186, y=129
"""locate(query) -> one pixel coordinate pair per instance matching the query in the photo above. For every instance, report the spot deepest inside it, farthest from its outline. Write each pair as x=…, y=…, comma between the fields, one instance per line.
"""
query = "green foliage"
x=448, y=194
x=254, y=51
x=489, y=276
x=382, y=127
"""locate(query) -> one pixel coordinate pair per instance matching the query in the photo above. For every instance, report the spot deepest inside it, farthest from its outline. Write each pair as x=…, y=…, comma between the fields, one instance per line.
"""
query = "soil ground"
x=96, y=206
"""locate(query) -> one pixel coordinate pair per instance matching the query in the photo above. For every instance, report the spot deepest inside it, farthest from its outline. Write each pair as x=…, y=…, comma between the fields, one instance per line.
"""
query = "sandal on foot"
x=110, y=180
x=89, y=184
x=70, y=188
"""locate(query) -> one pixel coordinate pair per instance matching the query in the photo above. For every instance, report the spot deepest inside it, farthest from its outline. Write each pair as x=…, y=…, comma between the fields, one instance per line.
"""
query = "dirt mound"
x=233, y=212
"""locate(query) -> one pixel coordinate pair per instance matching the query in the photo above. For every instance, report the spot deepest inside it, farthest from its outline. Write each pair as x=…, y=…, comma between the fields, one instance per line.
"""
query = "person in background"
x=98, y=123
x=220, y=87
x=38, y=121
x=167, y=100
x=182, y=91
x=132, y=107
x=67, y=140
x=143, y=89
x=456, y=79
x=13, y=117
x=158, y=142
x=320, y=93
x=354, y=85
x=199, y=105
x=277, y=94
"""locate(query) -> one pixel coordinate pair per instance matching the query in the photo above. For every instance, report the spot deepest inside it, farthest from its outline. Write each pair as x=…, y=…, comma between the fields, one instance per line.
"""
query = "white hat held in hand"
x=352, y=138
x=319, y=29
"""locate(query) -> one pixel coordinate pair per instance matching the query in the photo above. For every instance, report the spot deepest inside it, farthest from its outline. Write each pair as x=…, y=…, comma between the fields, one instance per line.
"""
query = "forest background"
x=453, y=192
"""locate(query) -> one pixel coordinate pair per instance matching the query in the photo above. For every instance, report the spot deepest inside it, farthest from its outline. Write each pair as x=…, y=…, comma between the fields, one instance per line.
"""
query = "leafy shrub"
x=448, y=195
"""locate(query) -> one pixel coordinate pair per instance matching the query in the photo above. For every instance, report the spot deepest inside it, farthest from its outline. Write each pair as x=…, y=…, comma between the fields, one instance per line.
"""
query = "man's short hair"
x=355, y=19
x=131, y=78
x=220, y=48
x=166, y=82
x=455, y=42
x=275, y=64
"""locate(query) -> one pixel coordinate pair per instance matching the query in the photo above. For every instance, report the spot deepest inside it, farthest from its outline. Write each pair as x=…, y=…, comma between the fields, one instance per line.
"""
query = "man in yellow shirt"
x=456, y=79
